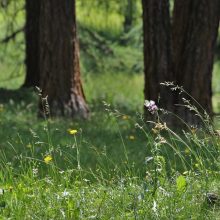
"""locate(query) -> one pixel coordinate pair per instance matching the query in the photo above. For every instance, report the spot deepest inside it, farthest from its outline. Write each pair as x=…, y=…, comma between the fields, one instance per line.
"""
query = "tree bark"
x=182, y=53
x=157, y=51
x=195, y=28
x=59, y=60
x=32, y=43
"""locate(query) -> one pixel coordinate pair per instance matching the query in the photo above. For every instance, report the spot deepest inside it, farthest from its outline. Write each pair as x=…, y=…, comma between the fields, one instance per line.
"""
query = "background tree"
x=185, y=57
x=129, y=14
x=157, y=51
x=195, y=28
x=59, y=59
x=32, y=43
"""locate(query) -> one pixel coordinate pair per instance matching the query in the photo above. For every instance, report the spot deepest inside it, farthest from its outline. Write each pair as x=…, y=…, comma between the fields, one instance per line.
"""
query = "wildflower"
x=65, y=193
x=162, y=140
x=72, y=131
x=35, y=171
x=131, y=137
x=48, y=159
x=159, y=127
x=151, y=106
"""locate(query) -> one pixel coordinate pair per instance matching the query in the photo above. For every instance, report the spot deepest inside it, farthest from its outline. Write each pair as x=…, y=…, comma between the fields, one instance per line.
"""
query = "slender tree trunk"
x=129, y=15
x=157, y=51
x=32, y=43
x=59, y=59
x=195, y=27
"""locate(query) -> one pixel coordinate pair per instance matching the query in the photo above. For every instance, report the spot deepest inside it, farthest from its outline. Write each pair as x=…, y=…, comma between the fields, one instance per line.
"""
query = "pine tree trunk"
x=157, y=52
x=182, y=54
x=195, y=27
x=59, y=59
x=32, y=43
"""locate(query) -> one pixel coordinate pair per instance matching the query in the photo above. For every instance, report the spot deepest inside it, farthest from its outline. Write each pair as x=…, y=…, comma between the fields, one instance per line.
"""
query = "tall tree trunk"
x=183, y=54
x=195, y=27
x=59, y=59
x=32, y=43
x=129, y=15
x=157, y=51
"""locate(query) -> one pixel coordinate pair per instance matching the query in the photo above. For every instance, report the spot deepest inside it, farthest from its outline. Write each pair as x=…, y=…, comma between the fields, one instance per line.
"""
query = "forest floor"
x=112, y=166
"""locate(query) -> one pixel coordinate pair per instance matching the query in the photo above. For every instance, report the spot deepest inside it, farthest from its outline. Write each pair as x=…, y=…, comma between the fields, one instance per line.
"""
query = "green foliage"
x=112, y=166
x=103, y=18
x=216, y=87
x=108, y=168
x=12, y=17
x=181, y=184
x=105, y=47
x=104, y=44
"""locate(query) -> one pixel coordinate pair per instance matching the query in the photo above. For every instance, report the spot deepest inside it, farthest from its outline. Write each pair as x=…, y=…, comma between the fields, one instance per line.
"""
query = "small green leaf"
x=181, y=183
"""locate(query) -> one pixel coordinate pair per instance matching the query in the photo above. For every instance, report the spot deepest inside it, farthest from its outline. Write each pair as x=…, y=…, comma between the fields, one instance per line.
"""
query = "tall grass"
x=115, y=166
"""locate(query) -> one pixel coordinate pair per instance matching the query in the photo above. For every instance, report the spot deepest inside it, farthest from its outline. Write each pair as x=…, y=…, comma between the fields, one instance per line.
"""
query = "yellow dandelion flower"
x=72, y=131
x=131, y=137
x=48, y=159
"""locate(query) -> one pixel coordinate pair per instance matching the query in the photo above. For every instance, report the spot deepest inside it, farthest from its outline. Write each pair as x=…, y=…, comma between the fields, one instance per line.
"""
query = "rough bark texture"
x=59, y=59
x=182, y=54
x=32, y=43
x=195, y=27
x=157, y=51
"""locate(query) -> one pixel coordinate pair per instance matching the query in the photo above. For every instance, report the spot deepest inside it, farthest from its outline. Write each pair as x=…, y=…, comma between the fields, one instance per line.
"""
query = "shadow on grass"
x=18, y=95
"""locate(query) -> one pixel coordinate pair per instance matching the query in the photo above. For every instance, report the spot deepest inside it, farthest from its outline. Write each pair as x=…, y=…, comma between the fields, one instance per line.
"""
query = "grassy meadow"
x=114, y=165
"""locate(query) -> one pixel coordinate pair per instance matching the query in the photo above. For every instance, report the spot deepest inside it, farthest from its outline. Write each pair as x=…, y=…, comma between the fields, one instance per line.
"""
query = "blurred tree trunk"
x=157, y=51
x=129, y=15
x=195, y=28
x=182, y=54
x=59, y=59
x=32, y=43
